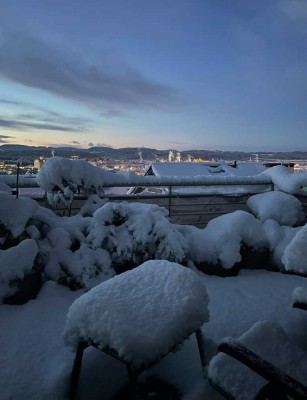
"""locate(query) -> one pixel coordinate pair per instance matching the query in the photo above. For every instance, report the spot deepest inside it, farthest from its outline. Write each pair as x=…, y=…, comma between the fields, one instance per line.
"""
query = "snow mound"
x=14, y=263
x=141, y=313
x=282, y=207
x=220, y=242
x=270, y=342
x=286, y=180
x=295, y=254
x=15, y=212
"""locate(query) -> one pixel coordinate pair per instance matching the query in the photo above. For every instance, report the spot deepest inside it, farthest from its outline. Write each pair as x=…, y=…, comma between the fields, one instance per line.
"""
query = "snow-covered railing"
x=24, y=181
x=29, y=181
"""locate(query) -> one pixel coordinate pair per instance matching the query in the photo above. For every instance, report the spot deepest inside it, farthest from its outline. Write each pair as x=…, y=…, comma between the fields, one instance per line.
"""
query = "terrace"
x=105, y=238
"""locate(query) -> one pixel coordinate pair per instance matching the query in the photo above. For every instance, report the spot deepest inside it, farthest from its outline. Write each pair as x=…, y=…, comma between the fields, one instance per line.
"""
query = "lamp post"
x=17, y=179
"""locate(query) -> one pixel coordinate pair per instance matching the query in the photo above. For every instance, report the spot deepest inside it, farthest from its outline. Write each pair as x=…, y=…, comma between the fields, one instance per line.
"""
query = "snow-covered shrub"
x=134, y=232
x=221, y=241
x=278, y=238
x=69, y=260
x=15, y=262
x=61, y=178
x=295, y=254
x=282, y=207
x=91, y=205
x=14, y=214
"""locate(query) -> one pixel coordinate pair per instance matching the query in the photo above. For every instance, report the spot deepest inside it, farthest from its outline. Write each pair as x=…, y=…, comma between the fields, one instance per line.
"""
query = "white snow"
x=142, y=313
x=282, y=207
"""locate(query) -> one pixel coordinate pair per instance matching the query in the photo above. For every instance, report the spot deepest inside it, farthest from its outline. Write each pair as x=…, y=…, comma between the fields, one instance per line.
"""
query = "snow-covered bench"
x=138, y=317
x=266, y=355
x=299, y=297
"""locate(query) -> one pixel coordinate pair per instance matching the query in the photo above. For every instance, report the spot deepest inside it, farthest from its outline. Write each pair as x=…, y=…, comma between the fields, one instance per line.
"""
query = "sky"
x=168, y=74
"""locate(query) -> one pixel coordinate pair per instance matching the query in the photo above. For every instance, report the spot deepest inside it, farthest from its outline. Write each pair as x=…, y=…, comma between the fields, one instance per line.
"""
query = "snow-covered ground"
x=35, y=364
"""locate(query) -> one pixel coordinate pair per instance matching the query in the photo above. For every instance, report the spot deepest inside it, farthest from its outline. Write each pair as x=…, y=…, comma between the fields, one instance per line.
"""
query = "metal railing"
x=206, y=197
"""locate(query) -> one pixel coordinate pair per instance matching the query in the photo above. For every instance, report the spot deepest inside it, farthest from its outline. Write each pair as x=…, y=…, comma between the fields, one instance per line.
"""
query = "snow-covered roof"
x=142, y=313
x=192, y=169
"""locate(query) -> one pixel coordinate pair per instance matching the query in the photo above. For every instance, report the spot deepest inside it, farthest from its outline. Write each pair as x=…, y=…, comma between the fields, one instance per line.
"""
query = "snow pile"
x=134, y=232
x=295, y=254
x=220, y=242
x=286, y=180
x=270, y=342
x=282, y=207
x=14, y=214
x=141, y=314
x=15, y=262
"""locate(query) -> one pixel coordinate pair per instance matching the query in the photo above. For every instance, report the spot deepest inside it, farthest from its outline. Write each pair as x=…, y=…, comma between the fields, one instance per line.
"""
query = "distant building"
x=200, y=169
x=39, y=162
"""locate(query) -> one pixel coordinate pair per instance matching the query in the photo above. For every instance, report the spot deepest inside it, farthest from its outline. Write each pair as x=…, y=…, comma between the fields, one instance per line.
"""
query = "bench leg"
x=270, y=392
x=132, y=376
x=201, y=347
x=76, y=371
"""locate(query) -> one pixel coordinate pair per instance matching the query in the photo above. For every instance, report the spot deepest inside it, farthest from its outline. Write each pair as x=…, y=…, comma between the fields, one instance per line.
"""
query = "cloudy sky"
x=182, y=74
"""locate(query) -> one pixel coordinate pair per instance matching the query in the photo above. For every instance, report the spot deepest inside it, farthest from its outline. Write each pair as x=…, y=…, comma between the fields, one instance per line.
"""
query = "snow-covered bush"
x=221, y=241
x=92, y=204
x=282, y=207
x=62, y=178
x=72, y=262
x=134, y=232
x=15, y=262
x=14, y=216
x=295, y=254
x=278, y=238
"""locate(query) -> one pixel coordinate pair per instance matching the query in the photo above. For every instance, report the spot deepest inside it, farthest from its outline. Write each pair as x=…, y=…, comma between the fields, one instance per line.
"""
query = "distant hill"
x=10, y=152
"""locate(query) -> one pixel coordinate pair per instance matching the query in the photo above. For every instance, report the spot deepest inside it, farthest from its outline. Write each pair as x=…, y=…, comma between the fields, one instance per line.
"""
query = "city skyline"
x=162, y=74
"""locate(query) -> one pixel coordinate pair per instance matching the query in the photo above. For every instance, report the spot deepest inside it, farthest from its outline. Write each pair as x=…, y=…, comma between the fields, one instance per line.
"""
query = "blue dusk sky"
x=181, y=74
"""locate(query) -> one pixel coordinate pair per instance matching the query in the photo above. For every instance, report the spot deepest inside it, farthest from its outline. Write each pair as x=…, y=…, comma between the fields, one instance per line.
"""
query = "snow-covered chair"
x=138, y=317
x=270, y=367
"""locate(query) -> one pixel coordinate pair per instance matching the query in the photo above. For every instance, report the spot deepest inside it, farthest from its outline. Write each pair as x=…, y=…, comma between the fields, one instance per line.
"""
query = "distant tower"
x=170, y=156
x=257, y=158
x=178, y=157
x=141, y=156
x=189, y=158
x=53, y=153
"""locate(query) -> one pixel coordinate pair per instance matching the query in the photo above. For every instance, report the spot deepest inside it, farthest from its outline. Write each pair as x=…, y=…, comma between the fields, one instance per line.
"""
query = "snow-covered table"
x=139, y=316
